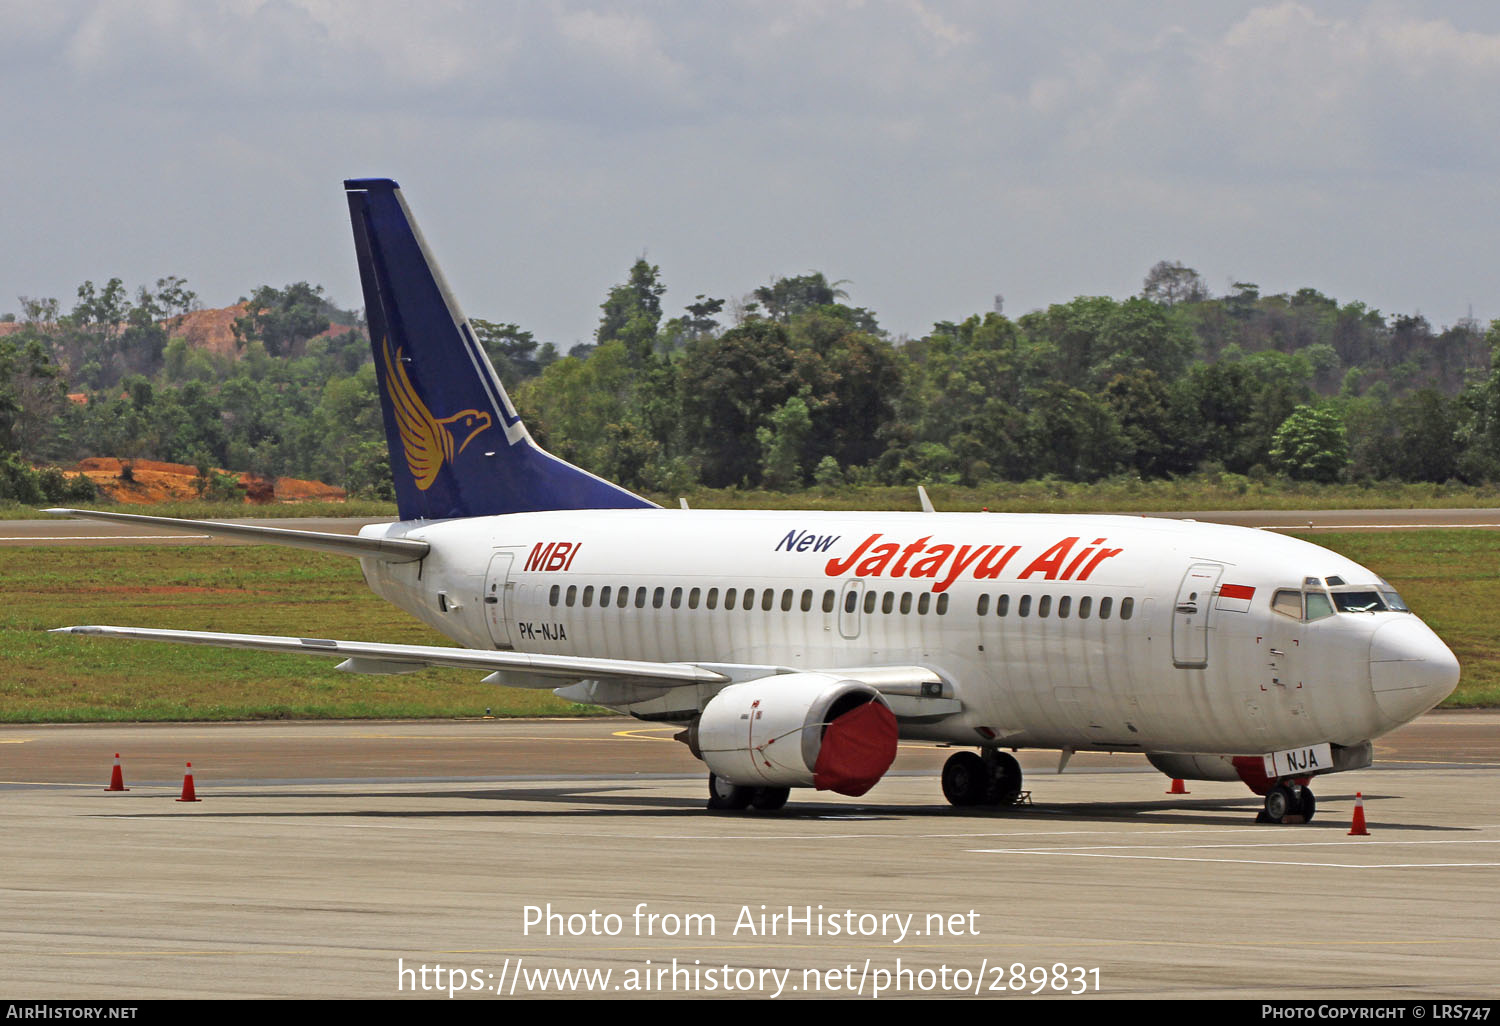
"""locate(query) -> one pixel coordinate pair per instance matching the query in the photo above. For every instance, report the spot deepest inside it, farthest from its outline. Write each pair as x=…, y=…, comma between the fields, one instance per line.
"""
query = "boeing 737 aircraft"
x=796, y=648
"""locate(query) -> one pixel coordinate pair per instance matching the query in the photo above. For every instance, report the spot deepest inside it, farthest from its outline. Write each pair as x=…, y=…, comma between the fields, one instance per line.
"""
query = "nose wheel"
x=1288, y=803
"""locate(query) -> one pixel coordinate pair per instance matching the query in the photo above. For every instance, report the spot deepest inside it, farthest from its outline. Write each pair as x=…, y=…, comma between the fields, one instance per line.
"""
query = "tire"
x=1279, y=802
x=1309, y=805
x=1005, y=779
x=769, y=799
x=723, y=795
x=966, y=779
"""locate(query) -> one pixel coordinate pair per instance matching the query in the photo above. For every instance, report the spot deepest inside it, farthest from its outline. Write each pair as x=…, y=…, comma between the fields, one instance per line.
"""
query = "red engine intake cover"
x=858, y=748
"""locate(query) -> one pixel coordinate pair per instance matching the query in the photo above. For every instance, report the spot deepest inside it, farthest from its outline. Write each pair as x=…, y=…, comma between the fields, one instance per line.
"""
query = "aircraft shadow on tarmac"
x=573, y=801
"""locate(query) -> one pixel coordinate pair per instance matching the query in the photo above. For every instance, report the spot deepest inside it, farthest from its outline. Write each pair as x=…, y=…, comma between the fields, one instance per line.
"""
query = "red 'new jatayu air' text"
x=944, y=564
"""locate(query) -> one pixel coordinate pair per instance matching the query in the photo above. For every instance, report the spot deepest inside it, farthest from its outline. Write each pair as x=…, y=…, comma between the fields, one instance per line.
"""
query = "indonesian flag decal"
x=1235, y=598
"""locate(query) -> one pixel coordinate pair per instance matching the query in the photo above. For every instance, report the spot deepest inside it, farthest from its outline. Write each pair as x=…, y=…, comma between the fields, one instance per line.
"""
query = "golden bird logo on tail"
x=428, y=440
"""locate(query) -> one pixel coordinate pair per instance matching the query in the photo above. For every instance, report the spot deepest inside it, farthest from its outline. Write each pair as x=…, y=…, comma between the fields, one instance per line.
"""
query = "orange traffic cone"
x=1178, y=788
x=188, y=794
x=116, y=778
x=1358, y=827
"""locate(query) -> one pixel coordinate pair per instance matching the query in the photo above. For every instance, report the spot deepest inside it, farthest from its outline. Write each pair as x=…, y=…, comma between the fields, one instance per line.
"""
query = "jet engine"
x=797, y=730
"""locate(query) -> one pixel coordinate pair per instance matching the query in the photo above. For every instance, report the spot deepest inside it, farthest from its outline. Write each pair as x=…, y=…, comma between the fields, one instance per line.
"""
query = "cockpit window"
x=1318, y=605
x=1358, y=602
x=1392, y=600
x=1335, y=582
x=1288, y=603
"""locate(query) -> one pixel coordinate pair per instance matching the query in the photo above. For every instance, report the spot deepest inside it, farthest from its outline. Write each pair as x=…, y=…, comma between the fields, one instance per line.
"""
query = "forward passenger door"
x=1191, y=615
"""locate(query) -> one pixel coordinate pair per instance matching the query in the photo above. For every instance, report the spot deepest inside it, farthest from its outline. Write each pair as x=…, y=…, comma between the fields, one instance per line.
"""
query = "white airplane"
x=796, y=648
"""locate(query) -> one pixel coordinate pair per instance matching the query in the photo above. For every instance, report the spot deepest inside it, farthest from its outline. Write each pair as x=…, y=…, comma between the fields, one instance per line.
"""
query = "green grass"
x=1451, y=579
x=1200, y=492
x=212, y=510
x=1447, y=576
x=261, y=590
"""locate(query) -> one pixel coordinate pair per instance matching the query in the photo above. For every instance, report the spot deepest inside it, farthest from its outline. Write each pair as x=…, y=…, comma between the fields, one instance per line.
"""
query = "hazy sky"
x=931, y=153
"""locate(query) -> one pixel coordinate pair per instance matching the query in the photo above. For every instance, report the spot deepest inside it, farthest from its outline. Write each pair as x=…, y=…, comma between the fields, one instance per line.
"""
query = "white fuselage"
x=1077, y=632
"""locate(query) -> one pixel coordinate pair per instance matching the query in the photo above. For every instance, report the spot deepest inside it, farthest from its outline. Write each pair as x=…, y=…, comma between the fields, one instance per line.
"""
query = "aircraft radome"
x=796, y=648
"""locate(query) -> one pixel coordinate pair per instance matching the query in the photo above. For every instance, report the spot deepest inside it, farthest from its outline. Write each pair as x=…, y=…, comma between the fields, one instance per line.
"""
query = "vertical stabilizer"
x=457, y=447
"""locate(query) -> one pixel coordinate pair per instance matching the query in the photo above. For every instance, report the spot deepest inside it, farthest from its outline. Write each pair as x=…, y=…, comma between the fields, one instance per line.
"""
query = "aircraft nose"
x=1411, y=670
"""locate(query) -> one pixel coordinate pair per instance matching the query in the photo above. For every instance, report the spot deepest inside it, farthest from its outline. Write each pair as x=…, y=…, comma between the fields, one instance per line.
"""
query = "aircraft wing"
x=372, y=657
x=393, y=550
x=914, y=692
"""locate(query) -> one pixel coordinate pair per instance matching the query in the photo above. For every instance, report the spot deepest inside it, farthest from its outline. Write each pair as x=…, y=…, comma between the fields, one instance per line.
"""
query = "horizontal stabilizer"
x=416, y=656
x=392, y=550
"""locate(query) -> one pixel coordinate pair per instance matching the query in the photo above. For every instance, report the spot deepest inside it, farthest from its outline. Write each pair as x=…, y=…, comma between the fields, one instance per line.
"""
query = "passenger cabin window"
x=905, y=602
x=870, y=598
x=572, y=595
x=983, y=607
x=1288, y=603
x=713, y=598
x=1002, y=605
x=622, y=596
x=768, y=599
x=729, y=594
x=556, y=591
x=640, y=598
x=1084, y=605
x=828, y=600
x=676, y=598
x=924, y=603
x=942, y=604
x=851, y=602
x=807, y=600
x=657, y=596
x=1127, y=608
x=693, y=598
x=1105, y=604
x=1024, y=609
x=786, y=601
x=1044, y=606
x=1064, y=605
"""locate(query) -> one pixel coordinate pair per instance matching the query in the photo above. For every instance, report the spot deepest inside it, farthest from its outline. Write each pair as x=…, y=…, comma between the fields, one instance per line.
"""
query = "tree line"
x=786, y=387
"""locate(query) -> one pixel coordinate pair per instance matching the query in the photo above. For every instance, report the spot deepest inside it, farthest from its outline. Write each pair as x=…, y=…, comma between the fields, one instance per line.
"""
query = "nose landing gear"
x=1288, y=802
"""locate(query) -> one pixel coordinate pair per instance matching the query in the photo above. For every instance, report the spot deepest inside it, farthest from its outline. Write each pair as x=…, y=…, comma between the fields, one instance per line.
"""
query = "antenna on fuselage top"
x=927, y=506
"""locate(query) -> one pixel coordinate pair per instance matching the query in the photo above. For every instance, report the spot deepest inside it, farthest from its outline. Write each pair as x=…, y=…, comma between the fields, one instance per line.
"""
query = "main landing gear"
x=1288, y=802
x=722, y=795
x=991, y=779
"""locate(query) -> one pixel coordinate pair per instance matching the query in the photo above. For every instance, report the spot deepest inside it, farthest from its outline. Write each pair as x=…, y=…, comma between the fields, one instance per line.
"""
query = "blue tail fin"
x=458, y=449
